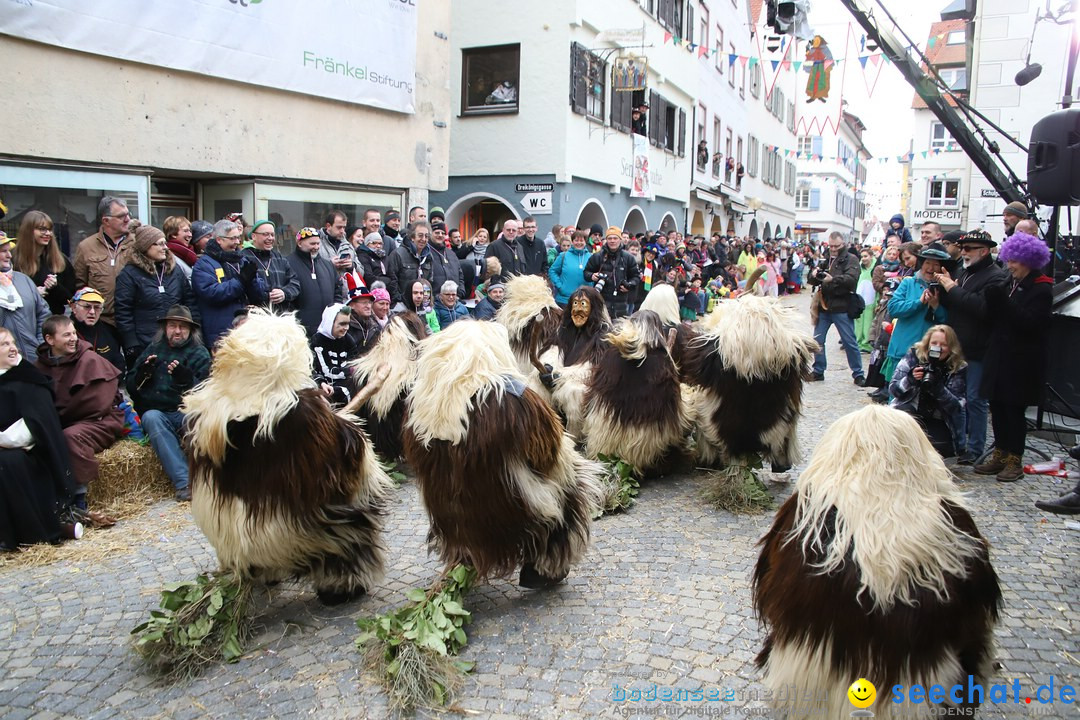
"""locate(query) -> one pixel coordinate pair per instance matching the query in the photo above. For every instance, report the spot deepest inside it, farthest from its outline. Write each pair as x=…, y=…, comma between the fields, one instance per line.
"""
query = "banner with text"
x=640, y=186
x=357, y=51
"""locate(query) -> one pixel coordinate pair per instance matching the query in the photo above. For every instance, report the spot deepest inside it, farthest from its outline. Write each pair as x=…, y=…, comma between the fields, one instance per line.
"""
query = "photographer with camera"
x=930, y=383
x=172, y=364
x=916, y=304
x=836, y=276
x=614, y=272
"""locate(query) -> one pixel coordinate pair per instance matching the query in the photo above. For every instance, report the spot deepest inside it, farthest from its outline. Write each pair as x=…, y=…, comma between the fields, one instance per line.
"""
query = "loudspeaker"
x=1054, y=159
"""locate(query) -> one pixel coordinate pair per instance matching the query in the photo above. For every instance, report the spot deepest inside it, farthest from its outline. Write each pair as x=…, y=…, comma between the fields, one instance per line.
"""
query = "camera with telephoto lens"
x=932, y=370
x=601, y=279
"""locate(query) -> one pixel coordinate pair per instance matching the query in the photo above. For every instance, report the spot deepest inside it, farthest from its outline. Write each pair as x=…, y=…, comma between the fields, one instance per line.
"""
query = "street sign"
x=537, y=203
x=989, y=193
x=534, y=187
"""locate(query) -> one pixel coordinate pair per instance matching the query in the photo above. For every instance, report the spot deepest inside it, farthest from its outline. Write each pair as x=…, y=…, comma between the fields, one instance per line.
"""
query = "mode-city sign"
x=952, y=216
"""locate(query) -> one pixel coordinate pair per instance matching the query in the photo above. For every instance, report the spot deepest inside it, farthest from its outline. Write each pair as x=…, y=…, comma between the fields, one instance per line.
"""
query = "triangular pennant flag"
x=667, y=38
x=731, y=58
x=924, y=154
x=692, y=46
x=931, y=42
x=775, y=64
x=676, y=40
x=797, y=64
x=829, y=63
x=743, y=59
x=786, y=64
x=753, y=62
x=875, y=59
x=703, y=51
x=862, y=61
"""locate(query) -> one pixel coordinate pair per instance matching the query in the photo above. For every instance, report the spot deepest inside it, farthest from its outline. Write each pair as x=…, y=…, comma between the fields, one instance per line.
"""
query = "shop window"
x=944, y=194
x=489, y=79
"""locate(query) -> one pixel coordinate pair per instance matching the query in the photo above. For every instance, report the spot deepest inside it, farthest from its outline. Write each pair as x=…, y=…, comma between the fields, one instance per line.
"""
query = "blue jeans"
x=846, y=327
x=164, y=429
x=978, y=409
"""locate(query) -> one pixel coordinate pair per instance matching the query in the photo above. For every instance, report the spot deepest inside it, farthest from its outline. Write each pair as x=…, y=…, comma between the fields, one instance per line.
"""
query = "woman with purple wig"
x=1015, y=365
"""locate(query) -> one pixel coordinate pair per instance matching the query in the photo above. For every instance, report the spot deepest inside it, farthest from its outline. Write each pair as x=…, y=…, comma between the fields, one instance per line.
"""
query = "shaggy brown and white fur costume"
x=749, y=360
x=499, y=477
x=282, y=486
x=663, y=301
x=530, y=316
x=633, y=406
x=874, y=568
x=571, y=357
x=384, y=412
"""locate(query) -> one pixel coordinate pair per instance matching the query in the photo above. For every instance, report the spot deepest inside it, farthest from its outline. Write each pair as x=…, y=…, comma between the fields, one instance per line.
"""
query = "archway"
x=591, y=213
x=634, y=222
x=787, y=234
x=752, y=232
x=697, y=223
x=668, y=223
x=478, y=210
x=768, y=232
x=730, y=230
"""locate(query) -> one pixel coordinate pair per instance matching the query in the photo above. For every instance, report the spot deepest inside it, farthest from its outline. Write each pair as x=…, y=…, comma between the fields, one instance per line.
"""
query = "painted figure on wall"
x=819, y=63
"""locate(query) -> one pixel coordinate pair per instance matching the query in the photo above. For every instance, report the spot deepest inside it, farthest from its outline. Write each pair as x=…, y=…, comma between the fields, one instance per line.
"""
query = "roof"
x=942, y=54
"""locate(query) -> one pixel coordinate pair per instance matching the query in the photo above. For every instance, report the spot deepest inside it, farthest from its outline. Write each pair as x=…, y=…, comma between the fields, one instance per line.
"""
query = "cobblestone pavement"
x=663, y=598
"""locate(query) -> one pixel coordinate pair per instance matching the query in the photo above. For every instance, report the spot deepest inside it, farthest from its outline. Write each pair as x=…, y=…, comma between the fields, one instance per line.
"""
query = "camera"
x=601, y=280
x=932, y=370
x=934, y=287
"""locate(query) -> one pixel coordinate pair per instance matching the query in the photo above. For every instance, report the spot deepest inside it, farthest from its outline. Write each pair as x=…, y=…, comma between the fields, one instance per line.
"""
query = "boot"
x=993, y=464
x=1067, y=504
x=1013, y=470
x=532, y=579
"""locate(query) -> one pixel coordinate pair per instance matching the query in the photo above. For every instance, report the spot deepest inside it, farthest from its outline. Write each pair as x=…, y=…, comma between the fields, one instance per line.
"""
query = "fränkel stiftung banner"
x=357, y=51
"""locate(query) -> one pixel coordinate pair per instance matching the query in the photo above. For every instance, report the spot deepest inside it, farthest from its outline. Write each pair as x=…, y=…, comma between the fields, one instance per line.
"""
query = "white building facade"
x=562, y=150
x=829, y=192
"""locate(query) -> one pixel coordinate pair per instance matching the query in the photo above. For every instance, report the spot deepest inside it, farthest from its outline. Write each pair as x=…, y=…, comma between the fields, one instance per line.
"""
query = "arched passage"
x=635, y=221
x=768, y=232
x=752, y=232
x=697, y=223
x=668, y=223
x=788, y=233
x=591, y=213
x=471, y=212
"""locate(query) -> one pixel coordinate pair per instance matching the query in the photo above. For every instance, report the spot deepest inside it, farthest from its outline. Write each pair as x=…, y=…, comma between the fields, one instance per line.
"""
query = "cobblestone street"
x=662, y=598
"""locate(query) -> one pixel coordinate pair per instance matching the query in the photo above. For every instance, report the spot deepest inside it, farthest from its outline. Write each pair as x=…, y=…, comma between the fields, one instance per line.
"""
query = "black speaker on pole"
x=1054, y=159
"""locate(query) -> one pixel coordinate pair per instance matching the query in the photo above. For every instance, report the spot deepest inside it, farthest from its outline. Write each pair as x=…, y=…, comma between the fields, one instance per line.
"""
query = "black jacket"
x=104, y=340
x=1015, y=364
x=278, y=274
x=621, y=270
x=362, y=335
x=836, y=293
x=315, y=294
x=405, y=267
x=374, y=266
x=535, y=256
x=446, y=266
x=967, y=307
x=58, y=295
x=511, y=256
x=139, y=305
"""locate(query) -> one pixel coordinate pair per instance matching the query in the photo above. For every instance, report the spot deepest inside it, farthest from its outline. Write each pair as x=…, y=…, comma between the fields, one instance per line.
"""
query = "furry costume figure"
x=499, y=477
x=874, y=568
x=281, y=485
x=531, y=318
x=749, y=361
x=663, y=301
x=384, y=412
x=579, y=343
x=634, y=408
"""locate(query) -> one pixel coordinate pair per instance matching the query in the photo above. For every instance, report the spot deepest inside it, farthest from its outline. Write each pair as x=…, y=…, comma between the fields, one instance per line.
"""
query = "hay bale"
x=130, y=480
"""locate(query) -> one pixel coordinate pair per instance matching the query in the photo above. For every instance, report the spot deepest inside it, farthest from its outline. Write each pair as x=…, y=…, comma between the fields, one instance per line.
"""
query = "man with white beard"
x=965, y=299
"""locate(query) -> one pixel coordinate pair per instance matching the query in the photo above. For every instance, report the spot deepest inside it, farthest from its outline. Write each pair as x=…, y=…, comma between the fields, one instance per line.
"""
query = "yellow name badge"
x=220, y=273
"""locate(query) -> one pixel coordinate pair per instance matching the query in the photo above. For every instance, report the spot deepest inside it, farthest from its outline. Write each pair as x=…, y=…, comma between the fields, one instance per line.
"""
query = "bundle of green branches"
x=737, y=487
x=413, y=648
x=201, y=622
x=394, y=471
x=620, y=483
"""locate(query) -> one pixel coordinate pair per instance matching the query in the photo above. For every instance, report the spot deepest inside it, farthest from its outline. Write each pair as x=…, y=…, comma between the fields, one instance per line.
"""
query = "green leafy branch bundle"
x=413, y=648
x=737, y=487
x=201, y=622
x=620, y=485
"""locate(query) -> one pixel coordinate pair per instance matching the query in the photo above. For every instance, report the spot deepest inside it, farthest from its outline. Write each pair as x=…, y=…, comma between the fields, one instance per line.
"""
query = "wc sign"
x=537, y=199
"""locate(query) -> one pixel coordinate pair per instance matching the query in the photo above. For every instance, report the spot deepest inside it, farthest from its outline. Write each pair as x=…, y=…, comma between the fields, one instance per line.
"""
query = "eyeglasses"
x=88, y=307
x=162, y=243
x=121, y=216
x=422, y=236
x=969, y=248
x=231, y=237
x=264, y=233
x=44, y=230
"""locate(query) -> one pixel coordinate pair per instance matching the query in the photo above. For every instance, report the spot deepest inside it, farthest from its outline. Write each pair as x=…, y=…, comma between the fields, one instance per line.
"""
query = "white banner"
x=357, y=51
x=640, y=186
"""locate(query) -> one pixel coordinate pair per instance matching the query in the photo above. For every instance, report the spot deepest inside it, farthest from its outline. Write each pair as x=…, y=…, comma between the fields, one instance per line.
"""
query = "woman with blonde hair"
x=38, y=256
x=930, y=383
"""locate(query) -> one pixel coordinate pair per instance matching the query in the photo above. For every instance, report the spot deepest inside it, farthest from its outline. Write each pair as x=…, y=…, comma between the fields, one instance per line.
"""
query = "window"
x=718, y=130
x=755, y=80
x=729, y=161
x=721, y=58
x=667, y=124
x=940, y=138
x=805, y=145
x=802, y=198
x=791, y=116
x=731, y=75
x=703, y=144
x=944, y=194
x=956, y=37
x=954, y=77
x=670, y=14
x=742, y=80
x=703, y=20
x=738, y=161
x=489, y=80
x=588, y=82
x=752, y=158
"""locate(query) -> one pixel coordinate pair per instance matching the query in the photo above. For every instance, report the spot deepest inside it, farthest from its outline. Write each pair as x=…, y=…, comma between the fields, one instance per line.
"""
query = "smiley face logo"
x=862, y=693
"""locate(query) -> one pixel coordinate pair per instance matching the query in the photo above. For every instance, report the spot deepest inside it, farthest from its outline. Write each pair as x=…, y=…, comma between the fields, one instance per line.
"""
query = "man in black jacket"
x=319, y=283
x=614, y=272
x=535, y=252
x=282, y=284
x=509, y=251
x=965, y=299
x=836, y=283
x=410, y=261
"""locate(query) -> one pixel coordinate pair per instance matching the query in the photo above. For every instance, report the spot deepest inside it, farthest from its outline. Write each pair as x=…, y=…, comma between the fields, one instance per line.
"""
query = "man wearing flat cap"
x=965, y=300
x=1014, y=212
x=172, y=364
